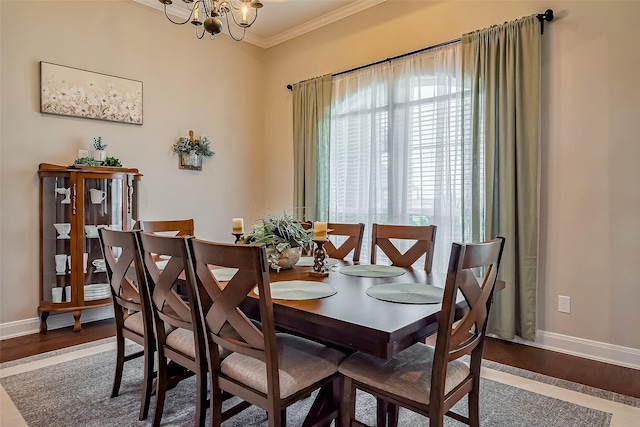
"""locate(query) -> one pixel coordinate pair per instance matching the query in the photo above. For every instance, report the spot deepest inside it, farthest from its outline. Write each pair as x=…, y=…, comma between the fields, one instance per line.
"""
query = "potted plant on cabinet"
x=99, y=149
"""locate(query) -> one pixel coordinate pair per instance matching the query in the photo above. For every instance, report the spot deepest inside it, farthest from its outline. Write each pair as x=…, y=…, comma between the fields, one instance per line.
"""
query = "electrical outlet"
x=564, y=304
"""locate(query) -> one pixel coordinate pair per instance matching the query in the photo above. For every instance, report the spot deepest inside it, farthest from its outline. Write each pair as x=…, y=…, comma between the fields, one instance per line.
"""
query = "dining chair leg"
x=474, y=405
x=147, y=384
x=392, y=414
x=348, y=404
x=216, y=398
x=436, y=419
x=337, y=388
x=275, y=417
x=117, y=379
x=201, y=398
x=161, y=388
x=381, y=412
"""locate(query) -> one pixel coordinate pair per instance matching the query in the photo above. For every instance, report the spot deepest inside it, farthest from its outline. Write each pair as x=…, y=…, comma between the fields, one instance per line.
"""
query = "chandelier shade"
x=212, y=15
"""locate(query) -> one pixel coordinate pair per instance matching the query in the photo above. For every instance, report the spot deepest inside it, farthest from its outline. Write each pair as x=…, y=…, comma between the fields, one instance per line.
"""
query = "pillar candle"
x=320, y=230
x=238, y=225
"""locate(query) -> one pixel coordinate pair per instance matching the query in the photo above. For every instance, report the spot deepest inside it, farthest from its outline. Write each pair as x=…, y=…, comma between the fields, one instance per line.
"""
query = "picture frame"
x=68, y=91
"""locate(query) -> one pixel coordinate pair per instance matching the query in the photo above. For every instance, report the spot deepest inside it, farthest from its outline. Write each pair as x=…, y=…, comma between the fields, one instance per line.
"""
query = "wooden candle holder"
x=320, y=268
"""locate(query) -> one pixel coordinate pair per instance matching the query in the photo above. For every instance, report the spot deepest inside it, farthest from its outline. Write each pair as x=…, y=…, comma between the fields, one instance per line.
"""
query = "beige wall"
x=590, y=196
x=213, y=88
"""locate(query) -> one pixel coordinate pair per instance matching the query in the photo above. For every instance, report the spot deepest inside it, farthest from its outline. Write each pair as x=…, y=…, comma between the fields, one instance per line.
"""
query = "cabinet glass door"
x=103, y=207
x=56, y=239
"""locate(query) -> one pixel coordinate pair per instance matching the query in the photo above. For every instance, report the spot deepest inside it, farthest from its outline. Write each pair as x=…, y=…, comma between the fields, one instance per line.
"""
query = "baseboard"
x=588, y=349
x=55, y=321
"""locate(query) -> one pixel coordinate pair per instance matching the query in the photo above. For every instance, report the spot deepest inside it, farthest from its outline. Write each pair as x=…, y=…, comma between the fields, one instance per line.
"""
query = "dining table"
x=351, y=320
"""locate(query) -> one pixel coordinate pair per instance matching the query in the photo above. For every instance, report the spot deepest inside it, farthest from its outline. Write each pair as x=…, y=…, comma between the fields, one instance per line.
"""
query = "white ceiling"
x=281, y=20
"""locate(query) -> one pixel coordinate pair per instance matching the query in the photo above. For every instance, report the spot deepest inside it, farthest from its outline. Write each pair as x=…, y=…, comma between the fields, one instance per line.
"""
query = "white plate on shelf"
x=96, y=291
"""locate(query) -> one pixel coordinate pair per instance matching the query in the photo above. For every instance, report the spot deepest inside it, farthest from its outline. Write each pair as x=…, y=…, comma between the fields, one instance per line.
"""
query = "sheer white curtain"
x=397, y=154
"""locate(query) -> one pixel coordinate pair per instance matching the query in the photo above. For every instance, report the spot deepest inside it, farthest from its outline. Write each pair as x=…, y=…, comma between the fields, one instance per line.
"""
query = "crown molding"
x=314, y=24
x=299, y=30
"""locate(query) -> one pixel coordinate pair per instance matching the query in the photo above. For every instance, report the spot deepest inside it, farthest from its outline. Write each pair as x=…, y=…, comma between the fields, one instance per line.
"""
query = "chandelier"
x=241, y=13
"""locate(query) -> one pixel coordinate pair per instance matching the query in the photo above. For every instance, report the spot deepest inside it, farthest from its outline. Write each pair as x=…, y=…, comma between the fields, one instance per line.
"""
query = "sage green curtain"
x=501, y=73
x=311, y=128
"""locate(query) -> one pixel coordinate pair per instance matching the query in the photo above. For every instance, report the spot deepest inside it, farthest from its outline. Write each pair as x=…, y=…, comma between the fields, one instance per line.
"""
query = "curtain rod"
x=546, y=16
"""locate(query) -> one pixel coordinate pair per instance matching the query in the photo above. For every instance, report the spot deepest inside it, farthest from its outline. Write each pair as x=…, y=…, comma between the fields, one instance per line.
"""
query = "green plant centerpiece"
x=284, y=238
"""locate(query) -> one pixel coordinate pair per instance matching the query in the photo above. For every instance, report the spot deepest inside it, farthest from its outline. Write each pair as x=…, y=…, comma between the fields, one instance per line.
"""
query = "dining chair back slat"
x=181, y=227
x=353, y=243
x=132, y=306
x=423, y=235
x=179, y=324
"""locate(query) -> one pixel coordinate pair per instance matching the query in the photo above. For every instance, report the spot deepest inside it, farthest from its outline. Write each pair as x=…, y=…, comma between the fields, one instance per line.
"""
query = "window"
x=397, y=153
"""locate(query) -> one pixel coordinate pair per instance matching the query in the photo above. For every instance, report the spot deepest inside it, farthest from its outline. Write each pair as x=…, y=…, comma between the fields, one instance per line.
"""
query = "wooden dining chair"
x=264, y=369
x=182, y=338
x=424, y=236
x=353, y=243
x=131, y=306
x=430, y=380
x=181, y=227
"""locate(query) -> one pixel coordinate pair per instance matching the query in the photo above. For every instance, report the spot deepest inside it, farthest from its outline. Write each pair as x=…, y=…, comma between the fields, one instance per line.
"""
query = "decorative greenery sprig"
x=112, y=161
x=97, y=143
x=86, y=161
x=201, y=147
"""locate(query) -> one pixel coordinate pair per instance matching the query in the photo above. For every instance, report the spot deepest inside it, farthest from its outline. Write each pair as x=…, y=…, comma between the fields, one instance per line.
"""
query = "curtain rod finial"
x=290, y=87
x=546, y=16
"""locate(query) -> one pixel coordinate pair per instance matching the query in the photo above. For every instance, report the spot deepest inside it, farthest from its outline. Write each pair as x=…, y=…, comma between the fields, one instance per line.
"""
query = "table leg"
x=323, y=410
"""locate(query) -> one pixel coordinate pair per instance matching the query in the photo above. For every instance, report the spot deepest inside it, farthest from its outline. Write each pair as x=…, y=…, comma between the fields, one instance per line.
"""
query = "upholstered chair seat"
x=182, y=340
x=134, y=322
x=301, y=363
x=408, y=375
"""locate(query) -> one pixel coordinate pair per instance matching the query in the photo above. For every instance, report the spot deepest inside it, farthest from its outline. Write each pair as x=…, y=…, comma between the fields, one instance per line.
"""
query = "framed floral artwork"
x=73, y=92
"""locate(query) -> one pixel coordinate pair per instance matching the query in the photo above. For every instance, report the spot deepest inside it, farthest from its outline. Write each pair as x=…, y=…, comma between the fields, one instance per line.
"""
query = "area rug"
x=76, y=393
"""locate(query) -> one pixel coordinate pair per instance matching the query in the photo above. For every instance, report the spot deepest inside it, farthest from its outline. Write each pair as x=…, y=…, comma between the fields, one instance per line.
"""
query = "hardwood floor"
x=559, y=365
x=28, y=345
x=595, y=374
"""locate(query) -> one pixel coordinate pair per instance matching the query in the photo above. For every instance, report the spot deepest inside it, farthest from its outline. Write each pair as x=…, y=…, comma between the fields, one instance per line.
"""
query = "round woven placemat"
x=299, y=290
x=407, y=293
x=372, y=270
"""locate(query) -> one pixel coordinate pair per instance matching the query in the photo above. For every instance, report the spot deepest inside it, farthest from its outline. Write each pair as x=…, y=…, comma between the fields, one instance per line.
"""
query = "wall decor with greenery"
x=190, y=151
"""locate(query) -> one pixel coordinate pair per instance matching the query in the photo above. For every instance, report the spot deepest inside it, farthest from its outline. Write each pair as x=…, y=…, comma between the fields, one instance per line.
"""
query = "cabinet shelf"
x=67, y=214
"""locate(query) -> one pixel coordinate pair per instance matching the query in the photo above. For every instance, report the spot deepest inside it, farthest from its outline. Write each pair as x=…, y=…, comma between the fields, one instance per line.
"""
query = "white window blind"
x=397, y=153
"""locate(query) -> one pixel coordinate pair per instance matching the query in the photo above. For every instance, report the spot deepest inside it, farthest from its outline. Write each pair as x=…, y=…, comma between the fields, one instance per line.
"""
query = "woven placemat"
x=307, y=261
x=407, y=293
x=299, y=290
x=224, y=274
x=372, y=270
